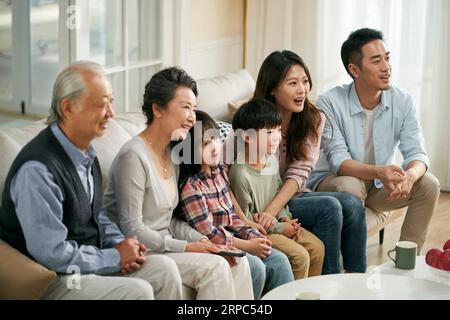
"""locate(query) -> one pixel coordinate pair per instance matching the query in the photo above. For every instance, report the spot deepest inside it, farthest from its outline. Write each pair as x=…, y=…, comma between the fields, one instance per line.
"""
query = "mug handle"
x=389, y=255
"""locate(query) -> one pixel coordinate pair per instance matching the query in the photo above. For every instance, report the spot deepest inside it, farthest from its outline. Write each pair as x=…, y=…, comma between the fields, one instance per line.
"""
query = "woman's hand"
x=232, y=261
x=265, y=219
x=201, y=247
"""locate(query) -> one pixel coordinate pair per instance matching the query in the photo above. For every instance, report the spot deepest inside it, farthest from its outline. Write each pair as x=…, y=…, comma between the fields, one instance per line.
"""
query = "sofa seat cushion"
x=21, y=277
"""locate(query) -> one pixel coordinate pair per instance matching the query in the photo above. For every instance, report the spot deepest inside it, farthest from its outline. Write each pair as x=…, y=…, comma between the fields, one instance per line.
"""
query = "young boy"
x=255, y=181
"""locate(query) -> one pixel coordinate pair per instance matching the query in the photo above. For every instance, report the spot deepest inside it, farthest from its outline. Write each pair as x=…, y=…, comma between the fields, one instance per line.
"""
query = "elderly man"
x=369, y=118
x=52, y=204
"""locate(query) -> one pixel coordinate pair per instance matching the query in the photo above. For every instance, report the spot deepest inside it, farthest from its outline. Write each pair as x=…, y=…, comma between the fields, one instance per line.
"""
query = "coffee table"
x=421, y=271
x=362, y=286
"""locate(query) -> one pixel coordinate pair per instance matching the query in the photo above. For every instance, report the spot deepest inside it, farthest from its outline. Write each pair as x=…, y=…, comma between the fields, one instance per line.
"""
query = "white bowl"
x=441, y=274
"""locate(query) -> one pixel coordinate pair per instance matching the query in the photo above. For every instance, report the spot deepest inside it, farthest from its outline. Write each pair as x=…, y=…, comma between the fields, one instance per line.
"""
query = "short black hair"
x=257, y=114
x=351, y=48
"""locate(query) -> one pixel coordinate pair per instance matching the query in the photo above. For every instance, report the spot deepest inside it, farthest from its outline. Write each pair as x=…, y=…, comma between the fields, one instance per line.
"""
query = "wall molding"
x=201, y=47
x=216, y=57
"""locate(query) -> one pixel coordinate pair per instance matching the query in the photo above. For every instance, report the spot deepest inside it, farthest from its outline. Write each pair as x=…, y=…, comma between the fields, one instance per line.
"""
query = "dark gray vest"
x=80, y=218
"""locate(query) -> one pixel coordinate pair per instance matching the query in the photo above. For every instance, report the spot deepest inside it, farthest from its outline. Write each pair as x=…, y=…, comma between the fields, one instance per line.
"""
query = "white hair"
x=70, y=84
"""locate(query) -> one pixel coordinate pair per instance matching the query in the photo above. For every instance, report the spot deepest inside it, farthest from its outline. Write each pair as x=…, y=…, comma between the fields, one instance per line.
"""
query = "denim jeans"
x=339, y=220
x=269, y=273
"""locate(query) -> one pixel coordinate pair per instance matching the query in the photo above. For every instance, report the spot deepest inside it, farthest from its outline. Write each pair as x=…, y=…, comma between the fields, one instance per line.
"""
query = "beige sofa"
x=214, y=96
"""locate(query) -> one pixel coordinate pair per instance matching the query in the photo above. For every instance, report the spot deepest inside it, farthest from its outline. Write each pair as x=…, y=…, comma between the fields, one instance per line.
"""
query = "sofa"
x=215, y=96
x=32, y=280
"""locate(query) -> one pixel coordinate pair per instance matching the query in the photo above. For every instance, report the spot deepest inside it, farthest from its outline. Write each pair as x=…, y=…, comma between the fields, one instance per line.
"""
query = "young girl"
x=207, y=204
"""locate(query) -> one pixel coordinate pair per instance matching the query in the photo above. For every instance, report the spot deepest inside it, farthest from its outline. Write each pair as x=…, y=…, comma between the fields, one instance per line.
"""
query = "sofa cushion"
x=21, y=277
x=224, y=129
x=214, y=94
x=11, y=142
x=233, y=106
x=132, y=122
x=122, y=128
x=10, y=149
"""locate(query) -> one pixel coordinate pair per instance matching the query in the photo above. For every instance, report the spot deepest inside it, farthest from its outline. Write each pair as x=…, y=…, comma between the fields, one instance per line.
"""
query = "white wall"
x=216, y=33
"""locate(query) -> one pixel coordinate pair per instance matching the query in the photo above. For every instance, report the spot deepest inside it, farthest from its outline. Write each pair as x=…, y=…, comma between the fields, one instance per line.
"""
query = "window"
x=128, y=37
x=125, y=37
x=5, y=50
x=44, y=50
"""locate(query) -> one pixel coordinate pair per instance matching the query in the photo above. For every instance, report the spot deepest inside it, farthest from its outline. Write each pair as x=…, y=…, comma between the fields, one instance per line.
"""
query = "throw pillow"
x=233, y=106
x=21, y=277
x=224, y=129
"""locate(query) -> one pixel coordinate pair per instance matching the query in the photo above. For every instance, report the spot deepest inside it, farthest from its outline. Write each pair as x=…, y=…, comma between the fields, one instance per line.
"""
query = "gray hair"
x=70, y=84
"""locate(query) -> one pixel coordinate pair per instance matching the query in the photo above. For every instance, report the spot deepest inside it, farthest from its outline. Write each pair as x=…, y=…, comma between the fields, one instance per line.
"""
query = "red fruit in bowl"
x=447, y=245
x=444, y=260
x=433, y=256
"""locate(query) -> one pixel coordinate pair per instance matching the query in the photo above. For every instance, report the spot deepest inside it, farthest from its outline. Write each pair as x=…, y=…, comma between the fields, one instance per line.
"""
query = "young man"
x=369, y=118
x=52, y=210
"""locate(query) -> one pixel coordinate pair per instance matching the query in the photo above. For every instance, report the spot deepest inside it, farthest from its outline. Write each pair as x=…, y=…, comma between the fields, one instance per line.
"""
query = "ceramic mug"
x=405, y=255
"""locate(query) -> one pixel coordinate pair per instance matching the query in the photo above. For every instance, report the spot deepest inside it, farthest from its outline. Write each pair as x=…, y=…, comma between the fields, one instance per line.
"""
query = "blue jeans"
x=269, y=273
x=339, y=220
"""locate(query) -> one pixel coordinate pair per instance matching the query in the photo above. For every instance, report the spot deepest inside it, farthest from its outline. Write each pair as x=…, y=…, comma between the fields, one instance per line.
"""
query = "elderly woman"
x=142, y=192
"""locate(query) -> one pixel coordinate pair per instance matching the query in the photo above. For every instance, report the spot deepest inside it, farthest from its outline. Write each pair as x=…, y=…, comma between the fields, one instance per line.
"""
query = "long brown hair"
x=303, y=124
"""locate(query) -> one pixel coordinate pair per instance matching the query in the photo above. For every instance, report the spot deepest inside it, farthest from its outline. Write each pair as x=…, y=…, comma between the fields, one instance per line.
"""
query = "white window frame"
x=20, y=59
x=172, y=39
x=74, y=45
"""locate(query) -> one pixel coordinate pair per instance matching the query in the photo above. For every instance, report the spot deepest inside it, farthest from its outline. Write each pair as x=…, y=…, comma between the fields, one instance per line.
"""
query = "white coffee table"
x=421, y=271
x=362, y=286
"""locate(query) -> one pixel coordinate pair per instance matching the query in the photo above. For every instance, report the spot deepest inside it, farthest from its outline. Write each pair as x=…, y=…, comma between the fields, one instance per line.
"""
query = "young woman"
x=142, y=192
x=337, y=218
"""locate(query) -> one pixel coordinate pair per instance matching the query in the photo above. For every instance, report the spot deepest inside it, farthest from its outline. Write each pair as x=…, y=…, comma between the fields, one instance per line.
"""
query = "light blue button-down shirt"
x=38, y=201
x=396, y=124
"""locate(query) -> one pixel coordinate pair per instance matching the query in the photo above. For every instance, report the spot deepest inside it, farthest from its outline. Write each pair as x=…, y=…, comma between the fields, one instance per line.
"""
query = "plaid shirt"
x=205, y=203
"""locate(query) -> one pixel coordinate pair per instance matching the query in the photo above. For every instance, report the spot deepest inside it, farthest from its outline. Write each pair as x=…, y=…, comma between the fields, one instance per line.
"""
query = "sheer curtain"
x=417, y=33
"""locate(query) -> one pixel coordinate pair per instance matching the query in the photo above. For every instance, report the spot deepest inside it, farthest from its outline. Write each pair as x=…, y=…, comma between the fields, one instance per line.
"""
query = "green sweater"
x=255, y=189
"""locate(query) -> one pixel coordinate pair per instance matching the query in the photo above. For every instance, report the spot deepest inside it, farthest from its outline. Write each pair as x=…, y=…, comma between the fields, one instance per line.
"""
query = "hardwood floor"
x=438, y=233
